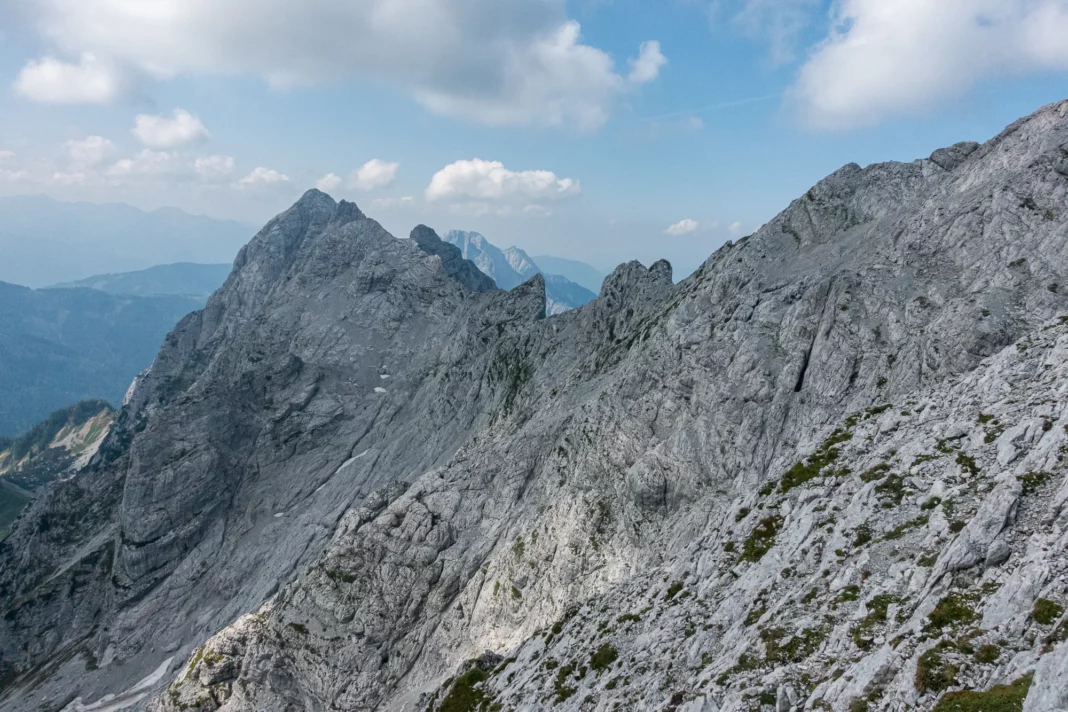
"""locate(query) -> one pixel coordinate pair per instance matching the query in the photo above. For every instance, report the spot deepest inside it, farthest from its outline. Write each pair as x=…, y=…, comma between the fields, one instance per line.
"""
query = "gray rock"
x=565, y=492
x=1048, y=692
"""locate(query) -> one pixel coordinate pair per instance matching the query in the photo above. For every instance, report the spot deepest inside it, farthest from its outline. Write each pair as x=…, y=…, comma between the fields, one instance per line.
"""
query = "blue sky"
x=601, y=130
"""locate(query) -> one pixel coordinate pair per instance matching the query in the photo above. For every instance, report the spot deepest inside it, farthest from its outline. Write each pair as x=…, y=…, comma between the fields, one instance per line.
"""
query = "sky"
x=599, y=130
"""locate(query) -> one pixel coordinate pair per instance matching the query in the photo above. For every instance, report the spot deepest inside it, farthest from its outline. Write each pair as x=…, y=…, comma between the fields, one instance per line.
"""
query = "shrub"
x=603, y=658
x=968, y=463
x=849, y=593
x=761, y=539
x=877, y=611
x=1046, y=611
x=1033, y=481
x=875, y=473
x=863, y=535
x=932, y=673
x=797, y=647
x=951, y=610
x=987, y=654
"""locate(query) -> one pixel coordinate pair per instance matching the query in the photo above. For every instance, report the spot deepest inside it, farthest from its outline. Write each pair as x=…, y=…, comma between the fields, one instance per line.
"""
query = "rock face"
x=512, y=266
x=57, y=447
x=823, y=470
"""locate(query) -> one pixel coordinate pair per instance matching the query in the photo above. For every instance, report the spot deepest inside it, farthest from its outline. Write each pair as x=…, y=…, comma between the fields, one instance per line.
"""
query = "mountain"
x=822, y=472
x=511, y=267
x=580, y=273
x=56, y=447
x=182, y=278
x=45, y=241
x=59, y=346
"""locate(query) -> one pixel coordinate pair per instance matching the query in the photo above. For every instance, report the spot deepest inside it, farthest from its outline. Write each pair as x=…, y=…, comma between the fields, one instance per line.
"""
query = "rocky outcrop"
x=512, y=266
x=452, y=260
x=709, y=492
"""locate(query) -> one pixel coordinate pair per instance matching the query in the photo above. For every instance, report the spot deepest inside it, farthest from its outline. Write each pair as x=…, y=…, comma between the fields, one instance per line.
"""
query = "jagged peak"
x=452, y=261
x=633, y=278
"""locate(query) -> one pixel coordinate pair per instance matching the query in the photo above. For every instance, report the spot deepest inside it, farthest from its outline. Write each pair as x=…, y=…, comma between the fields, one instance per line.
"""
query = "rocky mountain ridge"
x=512, y=266
x=381, y=471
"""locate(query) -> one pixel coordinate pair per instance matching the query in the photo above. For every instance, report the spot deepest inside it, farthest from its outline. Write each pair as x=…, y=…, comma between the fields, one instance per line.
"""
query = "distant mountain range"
x=59, y=346
x=580, y=273
x=45, y=241
x=182, y=279
x=512, y=266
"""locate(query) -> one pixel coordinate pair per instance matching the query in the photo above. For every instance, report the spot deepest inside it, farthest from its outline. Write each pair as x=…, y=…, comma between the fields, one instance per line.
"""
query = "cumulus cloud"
x=52, y=81
x=263, y=176
x=682, y=227
x=6, y=156
x=735, y=228
x=489, y=181
x=328, y=183
x=375, y=173
x=881, y=59
x=179, y=128
x=647, y=66
x=214, y=168
x=90, y=151
x=521, y=62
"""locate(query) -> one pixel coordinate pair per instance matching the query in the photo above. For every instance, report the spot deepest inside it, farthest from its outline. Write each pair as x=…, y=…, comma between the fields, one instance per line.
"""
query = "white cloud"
x=264, y=176
x=328, y=183
x=65, y=178
x=735, y=228
x=778, y=21
x=482, y=181
x=647, y=66
x=881, y=59
x=683, y=227
x=90, y=151
x=6, y=156
x=521, y=62
x=214, y=168
x=149, y=163
x=51, y=81
x=375, y=173
x=179, y=128
x=392, y=203
x=12, y=176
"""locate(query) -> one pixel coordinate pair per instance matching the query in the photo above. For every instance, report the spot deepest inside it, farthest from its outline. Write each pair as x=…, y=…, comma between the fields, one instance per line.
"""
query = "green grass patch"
x=761, y=539
x=813, y=466
x=1046, y=611
x=899, y=531
x=603, y=657
x=952, y=610
x=933, y=674
x=1000, y=698
x=1033, y=481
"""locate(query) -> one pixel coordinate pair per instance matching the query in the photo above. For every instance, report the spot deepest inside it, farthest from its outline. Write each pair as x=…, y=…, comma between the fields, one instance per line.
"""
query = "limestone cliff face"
x=364, y=470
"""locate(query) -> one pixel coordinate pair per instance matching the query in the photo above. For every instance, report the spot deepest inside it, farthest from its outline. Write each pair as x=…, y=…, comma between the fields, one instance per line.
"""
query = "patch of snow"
x=379, y=389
